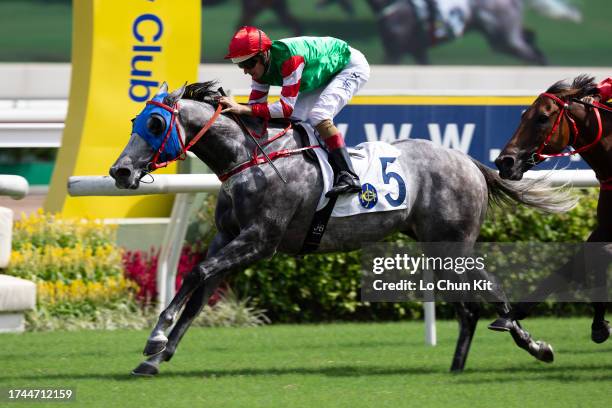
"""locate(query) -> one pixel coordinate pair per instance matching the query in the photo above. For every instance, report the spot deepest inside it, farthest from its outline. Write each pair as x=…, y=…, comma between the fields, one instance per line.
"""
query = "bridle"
x=605, y=184
x=174, y=110
x=564, y=113
x=255, y=159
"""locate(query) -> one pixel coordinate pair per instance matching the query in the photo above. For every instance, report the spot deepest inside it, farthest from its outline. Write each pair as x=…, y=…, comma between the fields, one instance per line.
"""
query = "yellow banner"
x=121, y=52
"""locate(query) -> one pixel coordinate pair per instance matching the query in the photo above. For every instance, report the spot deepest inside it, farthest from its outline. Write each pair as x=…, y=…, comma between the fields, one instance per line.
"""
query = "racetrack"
x=334, y=365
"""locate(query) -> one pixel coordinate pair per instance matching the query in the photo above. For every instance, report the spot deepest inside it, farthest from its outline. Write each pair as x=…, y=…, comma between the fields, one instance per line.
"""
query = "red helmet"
x=246, y=43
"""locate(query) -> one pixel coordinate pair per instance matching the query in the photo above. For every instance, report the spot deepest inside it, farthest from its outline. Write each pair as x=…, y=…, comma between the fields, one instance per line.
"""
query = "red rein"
x=254, y=161
x=257, y=160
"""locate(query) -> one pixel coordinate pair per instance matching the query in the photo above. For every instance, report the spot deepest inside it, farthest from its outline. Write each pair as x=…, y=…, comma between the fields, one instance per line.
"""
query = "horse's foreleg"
x=157, y=340
x=467, y=315
x=192, y=309
x=195, y=304
x=250, y=246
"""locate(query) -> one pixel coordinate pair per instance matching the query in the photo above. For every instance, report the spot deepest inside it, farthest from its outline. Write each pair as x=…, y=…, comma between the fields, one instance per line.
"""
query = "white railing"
x=17, y=188
x=13, y=186
x=162, y=184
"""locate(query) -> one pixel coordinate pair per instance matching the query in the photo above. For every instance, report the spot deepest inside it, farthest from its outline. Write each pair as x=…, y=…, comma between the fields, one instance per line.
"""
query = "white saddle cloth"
x=382, y=179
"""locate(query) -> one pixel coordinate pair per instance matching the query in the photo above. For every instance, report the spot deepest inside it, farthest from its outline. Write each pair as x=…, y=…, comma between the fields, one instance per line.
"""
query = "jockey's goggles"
x=250, y=63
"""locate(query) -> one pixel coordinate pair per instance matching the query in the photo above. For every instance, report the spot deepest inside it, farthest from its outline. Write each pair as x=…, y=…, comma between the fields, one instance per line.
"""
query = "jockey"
x=318, y=75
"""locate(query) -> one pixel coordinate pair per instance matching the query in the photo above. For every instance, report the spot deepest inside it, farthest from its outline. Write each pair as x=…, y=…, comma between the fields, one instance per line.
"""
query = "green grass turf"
x=34, y=31
x=332, y=365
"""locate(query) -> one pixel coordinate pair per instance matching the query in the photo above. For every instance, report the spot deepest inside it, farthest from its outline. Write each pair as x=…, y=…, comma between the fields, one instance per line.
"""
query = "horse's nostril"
x=504, y=162
x=123, y=172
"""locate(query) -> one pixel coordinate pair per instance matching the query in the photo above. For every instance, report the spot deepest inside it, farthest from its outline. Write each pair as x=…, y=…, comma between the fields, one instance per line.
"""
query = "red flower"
x=142, y=269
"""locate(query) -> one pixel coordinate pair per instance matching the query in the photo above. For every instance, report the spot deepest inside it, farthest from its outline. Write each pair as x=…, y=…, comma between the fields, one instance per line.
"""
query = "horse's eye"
x=523, y=112
x=542, y=119
x=156, y=124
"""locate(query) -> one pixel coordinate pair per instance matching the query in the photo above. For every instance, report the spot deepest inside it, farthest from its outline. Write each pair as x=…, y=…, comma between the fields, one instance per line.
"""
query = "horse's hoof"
x=600, y=332
x=501, y=324
x=145, y=369
x=155, y=345
x=544, y=352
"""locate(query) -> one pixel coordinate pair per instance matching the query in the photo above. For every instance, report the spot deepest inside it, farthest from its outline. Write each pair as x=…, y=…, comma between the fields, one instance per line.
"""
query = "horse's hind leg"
x=600, y=328
x=250, y=10
x=502, y=25
x=467, y=314
x=518, y=42
x=282, y=11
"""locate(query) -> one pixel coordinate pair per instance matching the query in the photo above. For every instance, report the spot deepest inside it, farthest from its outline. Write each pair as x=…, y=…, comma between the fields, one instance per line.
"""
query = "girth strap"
x=317, y=227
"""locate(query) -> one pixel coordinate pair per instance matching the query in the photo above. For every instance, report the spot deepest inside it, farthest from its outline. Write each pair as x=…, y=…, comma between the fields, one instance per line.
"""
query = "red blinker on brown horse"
x=575, y=117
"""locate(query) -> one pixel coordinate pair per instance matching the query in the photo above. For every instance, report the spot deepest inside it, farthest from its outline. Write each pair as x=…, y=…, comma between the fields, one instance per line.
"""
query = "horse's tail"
x=537, y=193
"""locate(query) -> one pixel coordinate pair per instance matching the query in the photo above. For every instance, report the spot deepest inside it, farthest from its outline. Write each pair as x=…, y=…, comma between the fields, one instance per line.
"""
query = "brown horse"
x=252, y=8
x=567, y=115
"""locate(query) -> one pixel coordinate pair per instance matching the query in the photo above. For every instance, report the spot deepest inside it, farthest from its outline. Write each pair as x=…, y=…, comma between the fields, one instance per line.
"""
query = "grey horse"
x=258, y=215
x=500, y=21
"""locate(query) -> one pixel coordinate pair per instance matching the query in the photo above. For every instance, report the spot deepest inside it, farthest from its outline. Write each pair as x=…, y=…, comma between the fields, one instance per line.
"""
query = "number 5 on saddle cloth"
x=383, y=186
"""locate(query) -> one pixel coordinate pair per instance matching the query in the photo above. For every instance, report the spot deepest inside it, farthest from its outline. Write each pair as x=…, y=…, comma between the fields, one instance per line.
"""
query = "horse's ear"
x=176, y=95
x=163, y=89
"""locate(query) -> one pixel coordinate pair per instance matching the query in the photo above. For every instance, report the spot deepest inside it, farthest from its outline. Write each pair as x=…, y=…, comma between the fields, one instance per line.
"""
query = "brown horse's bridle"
x=564, y=112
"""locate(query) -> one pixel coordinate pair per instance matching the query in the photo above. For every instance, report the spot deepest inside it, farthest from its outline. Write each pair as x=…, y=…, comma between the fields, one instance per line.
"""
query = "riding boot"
x=345, y=178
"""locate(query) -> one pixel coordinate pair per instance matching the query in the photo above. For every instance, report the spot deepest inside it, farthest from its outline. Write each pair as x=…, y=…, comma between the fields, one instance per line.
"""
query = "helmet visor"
x=238, y=60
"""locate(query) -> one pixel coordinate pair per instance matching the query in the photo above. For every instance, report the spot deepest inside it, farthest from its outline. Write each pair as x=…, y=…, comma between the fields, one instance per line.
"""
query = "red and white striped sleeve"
x=259, y=92
x=291, y=70
x=258, y=99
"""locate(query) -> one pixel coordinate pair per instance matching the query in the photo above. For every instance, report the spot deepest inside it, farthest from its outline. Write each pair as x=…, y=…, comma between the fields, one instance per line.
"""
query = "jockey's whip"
x=238, y=119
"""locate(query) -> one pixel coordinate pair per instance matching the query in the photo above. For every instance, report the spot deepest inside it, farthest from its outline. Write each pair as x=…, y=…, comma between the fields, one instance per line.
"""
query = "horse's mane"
x=202, y=91
x=581, y=86
x=207, y=92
